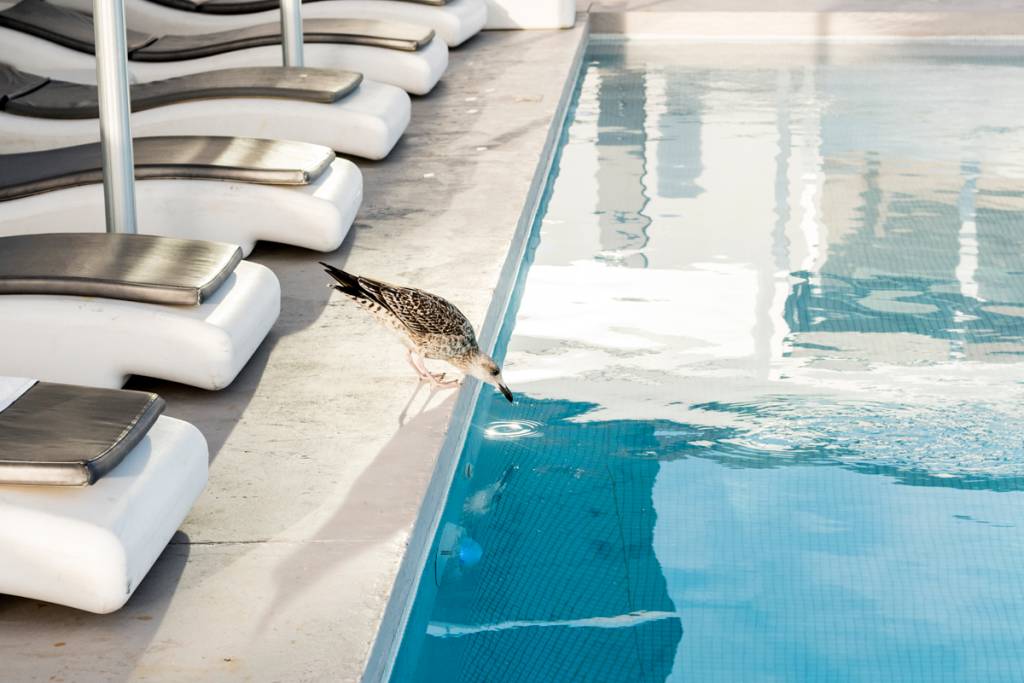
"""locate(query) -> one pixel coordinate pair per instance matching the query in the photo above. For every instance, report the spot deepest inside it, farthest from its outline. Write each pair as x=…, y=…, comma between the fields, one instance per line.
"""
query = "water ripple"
x=512, y=429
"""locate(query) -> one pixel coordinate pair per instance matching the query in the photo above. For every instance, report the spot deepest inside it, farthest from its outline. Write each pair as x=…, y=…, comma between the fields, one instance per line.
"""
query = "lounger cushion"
x=146, y=268
x=73, y=29
x=61, y=25
x=64, y=435
x=15, y=84
x=385, y=34
x=247, y=6
x=57, y=99
x=271, y=162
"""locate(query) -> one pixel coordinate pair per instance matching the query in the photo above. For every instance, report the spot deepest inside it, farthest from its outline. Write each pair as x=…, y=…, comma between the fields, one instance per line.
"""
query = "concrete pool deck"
x=323, y=447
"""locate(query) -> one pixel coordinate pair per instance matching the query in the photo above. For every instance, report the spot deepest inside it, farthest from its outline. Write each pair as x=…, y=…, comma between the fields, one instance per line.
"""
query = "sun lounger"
x=236, y=190
x=37, y=35
x=332, y=108
x=454, y=21
x=530, y=14
x=93, y=484
x=95, y=308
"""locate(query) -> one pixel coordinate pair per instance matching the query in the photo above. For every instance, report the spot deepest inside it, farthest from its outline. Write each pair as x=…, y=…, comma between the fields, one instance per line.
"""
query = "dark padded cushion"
x=58, y=434
x=247, y=6
x=386, y=34
x=14, y=83
x=146, y=268
x=60, y=25
x=74, y=30
x=62, y=100
x=272, y=162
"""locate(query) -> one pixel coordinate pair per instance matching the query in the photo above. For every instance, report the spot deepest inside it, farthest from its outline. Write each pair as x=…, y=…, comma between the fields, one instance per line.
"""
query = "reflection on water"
x=769, y=361
x=512, y=429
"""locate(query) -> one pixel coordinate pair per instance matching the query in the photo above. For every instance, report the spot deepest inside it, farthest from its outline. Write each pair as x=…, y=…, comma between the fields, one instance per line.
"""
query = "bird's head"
x=484, y=368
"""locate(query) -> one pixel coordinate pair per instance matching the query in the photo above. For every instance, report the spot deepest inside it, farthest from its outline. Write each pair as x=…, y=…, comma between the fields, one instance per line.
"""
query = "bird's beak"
x=505, y=392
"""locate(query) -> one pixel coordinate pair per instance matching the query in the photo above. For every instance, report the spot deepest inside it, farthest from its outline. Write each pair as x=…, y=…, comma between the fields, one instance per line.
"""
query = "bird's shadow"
x=432, y=390
x=389, y=477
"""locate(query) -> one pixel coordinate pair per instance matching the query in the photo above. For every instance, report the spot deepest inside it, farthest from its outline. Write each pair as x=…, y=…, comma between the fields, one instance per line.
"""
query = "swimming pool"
x=769, y=358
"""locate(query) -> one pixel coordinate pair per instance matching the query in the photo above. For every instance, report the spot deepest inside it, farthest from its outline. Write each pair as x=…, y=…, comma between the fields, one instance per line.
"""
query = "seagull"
x=428, y=325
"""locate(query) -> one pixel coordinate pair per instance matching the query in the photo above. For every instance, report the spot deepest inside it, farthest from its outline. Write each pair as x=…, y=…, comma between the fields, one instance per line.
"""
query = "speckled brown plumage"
x=428, y=325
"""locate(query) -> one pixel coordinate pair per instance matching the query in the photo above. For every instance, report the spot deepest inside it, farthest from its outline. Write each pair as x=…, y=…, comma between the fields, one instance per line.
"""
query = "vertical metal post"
x=115, y=115
x=291, y=32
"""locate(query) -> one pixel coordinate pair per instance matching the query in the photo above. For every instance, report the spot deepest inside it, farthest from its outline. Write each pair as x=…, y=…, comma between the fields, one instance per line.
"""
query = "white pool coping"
x=811, y=25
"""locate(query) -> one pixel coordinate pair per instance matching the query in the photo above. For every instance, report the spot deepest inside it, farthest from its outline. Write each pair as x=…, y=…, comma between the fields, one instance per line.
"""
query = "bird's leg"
x=421, y=369
x=435, y=378
x=417, y=364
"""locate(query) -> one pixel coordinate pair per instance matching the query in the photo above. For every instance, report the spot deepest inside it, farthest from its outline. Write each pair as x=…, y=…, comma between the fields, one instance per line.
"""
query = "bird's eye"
x=495, y=372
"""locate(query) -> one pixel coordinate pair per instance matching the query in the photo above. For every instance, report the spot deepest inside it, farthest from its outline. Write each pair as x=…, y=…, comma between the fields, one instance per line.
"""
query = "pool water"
x=769, y=363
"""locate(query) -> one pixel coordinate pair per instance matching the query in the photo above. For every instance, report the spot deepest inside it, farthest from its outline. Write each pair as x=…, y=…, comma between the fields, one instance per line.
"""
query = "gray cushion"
x=15, y=84
x=61, y=25
x=56, y=99
x=385, y=34
x=58, y=434
x=247, y=6
x=146, y=268
x=273, y=162
x=73, y=29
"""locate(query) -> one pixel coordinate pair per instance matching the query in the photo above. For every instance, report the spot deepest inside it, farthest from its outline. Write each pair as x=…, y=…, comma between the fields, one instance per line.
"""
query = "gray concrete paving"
x=322, y=448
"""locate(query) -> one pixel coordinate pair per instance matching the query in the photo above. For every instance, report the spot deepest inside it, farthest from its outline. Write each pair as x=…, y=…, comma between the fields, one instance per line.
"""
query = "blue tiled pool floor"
x=769, y=363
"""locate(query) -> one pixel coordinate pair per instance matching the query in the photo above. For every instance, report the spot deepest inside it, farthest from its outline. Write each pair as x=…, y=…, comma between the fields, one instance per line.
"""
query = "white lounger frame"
x=89, y=547
x=366, y=123
x=517, y=14
x=101, y=342
x=453, y=23
x=415, y=72
x=315, y=216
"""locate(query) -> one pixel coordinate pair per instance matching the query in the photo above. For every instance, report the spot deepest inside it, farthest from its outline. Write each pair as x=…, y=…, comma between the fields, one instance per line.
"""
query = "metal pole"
x=291, y=31
x=115, y=115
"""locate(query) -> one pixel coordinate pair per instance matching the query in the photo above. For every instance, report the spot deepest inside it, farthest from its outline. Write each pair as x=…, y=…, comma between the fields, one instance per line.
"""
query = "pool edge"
x=388, y=640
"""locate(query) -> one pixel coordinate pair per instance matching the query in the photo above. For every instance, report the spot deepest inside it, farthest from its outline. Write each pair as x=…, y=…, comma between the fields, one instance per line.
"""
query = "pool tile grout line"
x=403, y=594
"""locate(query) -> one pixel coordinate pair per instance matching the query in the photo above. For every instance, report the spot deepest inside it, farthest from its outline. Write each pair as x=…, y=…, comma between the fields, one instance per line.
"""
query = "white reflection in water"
x=512, y=429
x=738, y=235
x=441, y=630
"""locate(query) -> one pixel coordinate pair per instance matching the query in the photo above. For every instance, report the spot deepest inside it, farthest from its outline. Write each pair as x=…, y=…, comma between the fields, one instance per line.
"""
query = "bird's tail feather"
x=347, y=283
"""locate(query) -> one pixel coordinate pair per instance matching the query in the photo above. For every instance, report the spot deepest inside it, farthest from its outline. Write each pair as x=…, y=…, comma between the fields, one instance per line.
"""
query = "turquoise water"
x=768, y=360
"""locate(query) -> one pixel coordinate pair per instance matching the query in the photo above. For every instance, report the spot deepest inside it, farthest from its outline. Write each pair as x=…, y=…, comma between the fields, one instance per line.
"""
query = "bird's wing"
x=422, y=312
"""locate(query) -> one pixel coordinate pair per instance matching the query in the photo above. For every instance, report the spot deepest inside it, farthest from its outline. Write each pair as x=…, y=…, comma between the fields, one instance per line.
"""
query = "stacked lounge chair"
x=237, y=190
x=337, y=109
x=36, y=35
x=86, y=509
x=454, y=21
x=95, y=308
x=93, y=479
